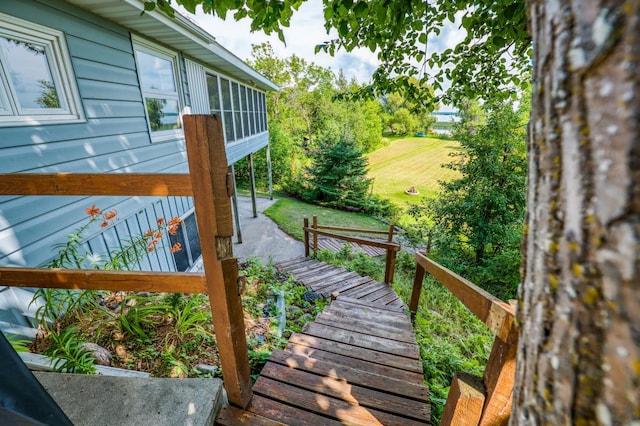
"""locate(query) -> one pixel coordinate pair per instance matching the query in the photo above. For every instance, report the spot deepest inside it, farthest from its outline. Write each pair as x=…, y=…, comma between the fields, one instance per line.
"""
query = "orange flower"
x=172, y=229
x=104, y=224
x=148, y=233
x=152, y=245
x=110, y=215
x=176, y=247
x=158, y=234
x=151, y=248
x=93, y=211
x=160, y=221
x=175, y=221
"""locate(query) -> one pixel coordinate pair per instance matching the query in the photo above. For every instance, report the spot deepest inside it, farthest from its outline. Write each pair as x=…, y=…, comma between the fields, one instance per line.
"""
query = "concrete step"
x=120, y=401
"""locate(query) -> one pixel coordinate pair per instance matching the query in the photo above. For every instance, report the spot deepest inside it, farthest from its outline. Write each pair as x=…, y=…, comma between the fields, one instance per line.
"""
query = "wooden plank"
x=304, y=262
x=392, y=322
x=464, y=402
x=351, y=303
x=95, y=184
x=496, y=314
x=287, y=414
x=363, y=340
x=363, y=290
x=315, y=234
x=388, y=318
x=320, y=270
x=339, y=286
x=336, y=274
x=310, y=265
x=363, y=241
x=356, y=377
x=339, y=348
x=290, y=262
x=499, y=377
x=359, y=364
x=349, y=393
x=212, y=188
x=232, y=416
x=397, y=304
x=372, y=328
x=80, y=279
x=328, y=281
x=305, y=224
x=372, y=297
x=387, y=299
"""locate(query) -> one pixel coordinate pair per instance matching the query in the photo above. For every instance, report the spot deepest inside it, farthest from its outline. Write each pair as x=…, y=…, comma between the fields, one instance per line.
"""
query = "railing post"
x=392, y=228
x=315, y=234
x=417, y=290
x=212, y=189
x=306, y=236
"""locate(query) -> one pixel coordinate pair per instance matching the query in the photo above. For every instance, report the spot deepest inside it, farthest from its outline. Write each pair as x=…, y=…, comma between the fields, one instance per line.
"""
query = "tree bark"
x=579, y=304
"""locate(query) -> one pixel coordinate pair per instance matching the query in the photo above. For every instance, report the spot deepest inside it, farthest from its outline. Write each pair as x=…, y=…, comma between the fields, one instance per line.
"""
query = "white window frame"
x=140, y=44
x=248, y=90
x=60, y=67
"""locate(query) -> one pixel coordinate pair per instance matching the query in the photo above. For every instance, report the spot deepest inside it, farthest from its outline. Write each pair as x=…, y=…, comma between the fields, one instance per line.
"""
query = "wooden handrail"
x=90, y=279
x=364, y=241
x=391, y=248
x=129, y=184
x=488, y=403
x=496, y=314
x=210, y=185
x=364, y=231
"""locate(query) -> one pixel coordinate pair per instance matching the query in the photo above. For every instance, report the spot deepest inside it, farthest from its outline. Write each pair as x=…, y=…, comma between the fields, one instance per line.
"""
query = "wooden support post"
x=270, y=171
x=236, y=213
x=390, y=266
x=392, y=229
x=417, y=290
x=306, y=237
x=499, y=377
x=315, y=234
x=212, y=188
x=464, y=402
x=252, y=183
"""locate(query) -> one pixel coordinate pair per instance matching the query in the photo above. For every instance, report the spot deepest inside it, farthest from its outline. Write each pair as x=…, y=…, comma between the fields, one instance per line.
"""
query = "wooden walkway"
x=357, y=363
x=336, y=245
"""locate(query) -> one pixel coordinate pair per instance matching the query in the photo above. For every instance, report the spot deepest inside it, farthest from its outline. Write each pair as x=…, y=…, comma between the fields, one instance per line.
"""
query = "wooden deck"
x=357, y=363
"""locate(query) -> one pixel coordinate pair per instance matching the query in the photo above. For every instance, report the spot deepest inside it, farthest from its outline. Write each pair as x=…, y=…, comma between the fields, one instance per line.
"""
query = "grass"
x=410, y=162
x=288, y=214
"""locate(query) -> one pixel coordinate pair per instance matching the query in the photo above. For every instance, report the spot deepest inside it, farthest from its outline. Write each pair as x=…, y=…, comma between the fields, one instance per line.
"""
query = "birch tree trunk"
x=579, y=305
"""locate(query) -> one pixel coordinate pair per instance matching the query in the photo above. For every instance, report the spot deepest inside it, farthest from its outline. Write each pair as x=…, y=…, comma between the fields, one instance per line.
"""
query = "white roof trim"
x=183, y=35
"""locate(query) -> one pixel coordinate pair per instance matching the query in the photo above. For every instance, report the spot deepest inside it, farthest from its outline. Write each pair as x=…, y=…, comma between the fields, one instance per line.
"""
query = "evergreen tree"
x=338, y=175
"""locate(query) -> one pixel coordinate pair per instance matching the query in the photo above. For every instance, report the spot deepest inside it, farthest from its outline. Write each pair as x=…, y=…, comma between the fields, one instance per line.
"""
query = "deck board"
x=357, y=363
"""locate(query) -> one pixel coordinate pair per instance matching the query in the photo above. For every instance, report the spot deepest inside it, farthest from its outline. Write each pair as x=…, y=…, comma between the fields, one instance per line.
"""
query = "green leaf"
x=361, y=9
x=149, y=6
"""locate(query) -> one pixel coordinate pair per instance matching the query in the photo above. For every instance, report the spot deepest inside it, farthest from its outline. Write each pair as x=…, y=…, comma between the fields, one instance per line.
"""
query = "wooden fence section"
x=211, y=186
x=472, y=400
x=391, y=248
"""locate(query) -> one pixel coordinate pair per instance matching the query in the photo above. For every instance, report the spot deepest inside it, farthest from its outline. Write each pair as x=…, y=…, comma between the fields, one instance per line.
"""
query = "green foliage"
x=18, y=345
x=289, y=214
x=338, y=176
x=479, y=217
x=70, y=356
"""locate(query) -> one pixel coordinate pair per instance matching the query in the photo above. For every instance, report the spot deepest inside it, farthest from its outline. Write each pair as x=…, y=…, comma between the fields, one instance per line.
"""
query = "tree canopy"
x=491, y=62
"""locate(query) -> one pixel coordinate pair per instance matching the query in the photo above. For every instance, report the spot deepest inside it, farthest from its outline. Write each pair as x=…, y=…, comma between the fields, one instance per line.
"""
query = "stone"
x=101, y=355
x=206, y=368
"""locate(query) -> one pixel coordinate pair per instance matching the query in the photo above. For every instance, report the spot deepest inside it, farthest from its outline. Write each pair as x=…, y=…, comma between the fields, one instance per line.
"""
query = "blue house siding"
x=114, y=138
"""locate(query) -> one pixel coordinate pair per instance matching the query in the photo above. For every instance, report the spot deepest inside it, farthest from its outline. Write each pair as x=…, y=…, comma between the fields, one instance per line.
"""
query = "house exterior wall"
x=114, y=138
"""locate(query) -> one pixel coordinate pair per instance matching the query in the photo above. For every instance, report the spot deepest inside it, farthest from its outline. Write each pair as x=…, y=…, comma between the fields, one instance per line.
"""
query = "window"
x=189, y=240
x=159, y=84
x=242, y=108
x=37, y=85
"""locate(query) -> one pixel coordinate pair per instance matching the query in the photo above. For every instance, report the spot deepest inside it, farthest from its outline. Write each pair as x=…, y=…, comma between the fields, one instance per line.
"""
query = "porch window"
x=160, y=89
x=187, y=237
x=37, y=84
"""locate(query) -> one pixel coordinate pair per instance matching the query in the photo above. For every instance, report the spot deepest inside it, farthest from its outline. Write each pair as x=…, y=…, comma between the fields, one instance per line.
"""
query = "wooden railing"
x=211, y=185
x=471, y=400
x=391, y=248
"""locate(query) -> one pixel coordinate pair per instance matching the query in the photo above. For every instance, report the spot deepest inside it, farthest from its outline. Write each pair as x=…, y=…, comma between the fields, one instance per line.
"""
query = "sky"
x=305, y=32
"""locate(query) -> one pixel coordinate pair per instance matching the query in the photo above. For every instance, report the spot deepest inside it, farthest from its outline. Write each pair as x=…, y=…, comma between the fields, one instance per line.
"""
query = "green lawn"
x=410, y=162
x=289, y=214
